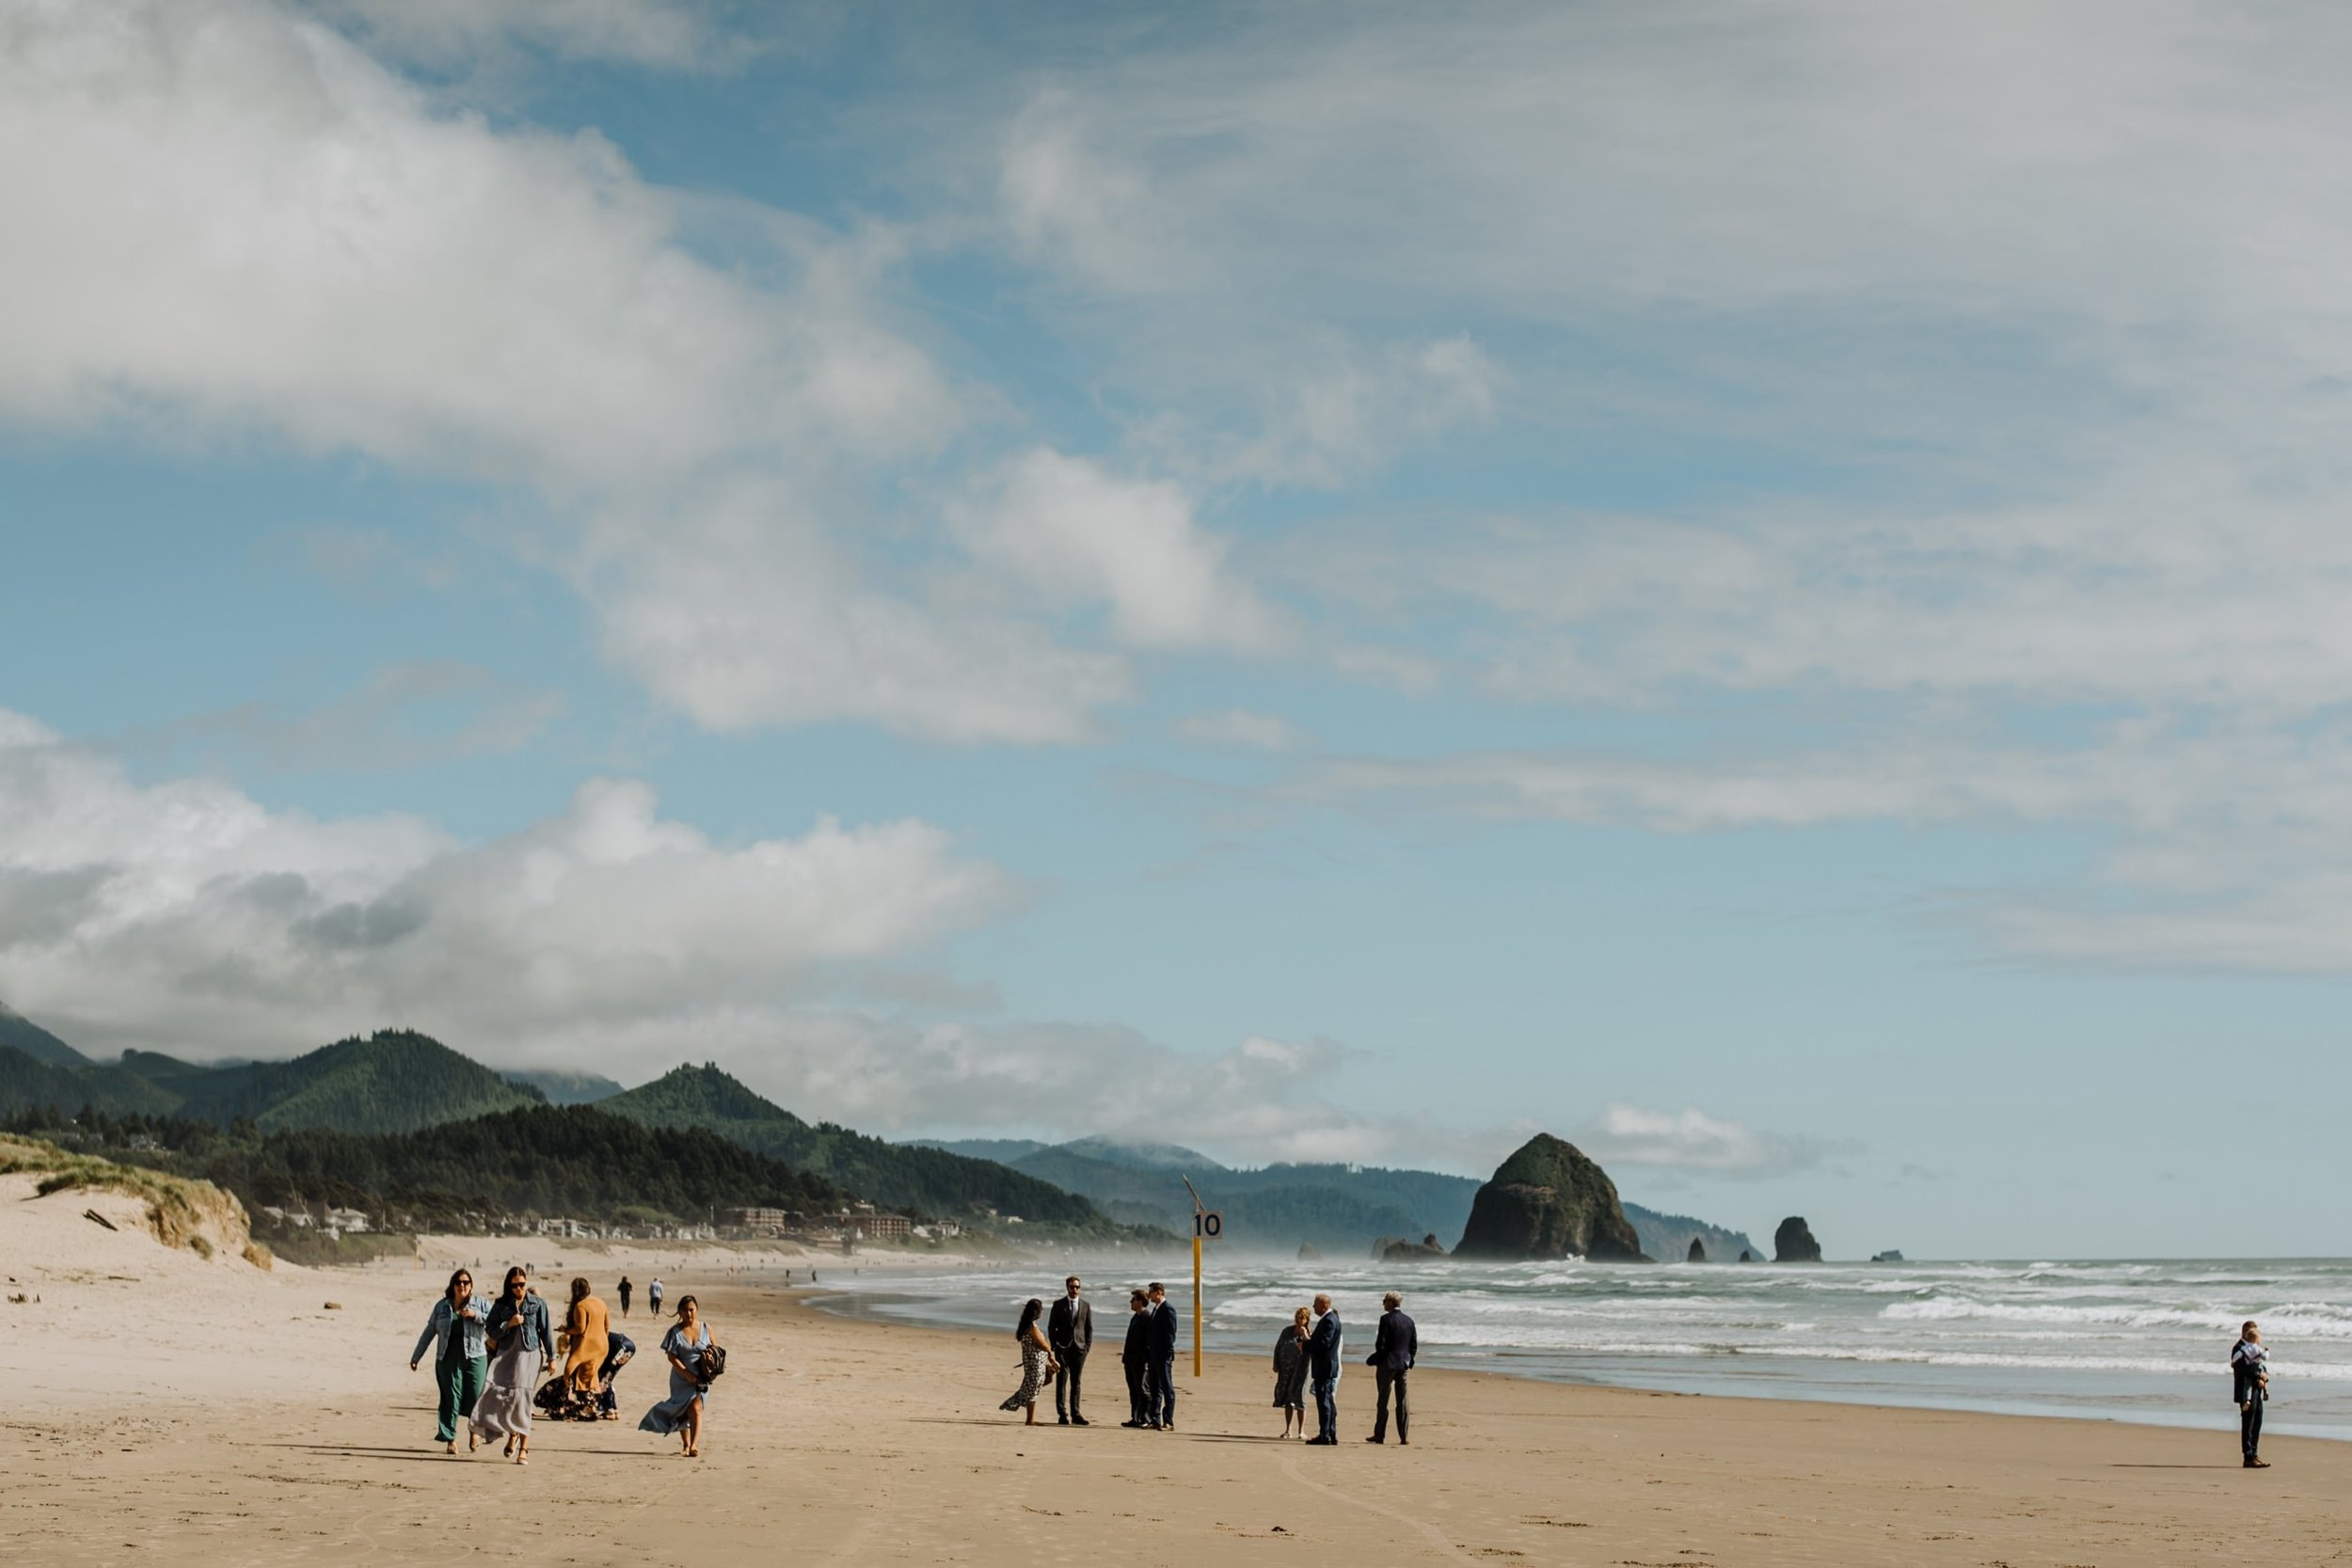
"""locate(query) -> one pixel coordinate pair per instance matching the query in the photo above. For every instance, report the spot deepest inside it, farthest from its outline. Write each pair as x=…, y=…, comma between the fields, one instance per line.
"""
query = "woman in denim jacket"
x=521, y=1348
x=459, y=1324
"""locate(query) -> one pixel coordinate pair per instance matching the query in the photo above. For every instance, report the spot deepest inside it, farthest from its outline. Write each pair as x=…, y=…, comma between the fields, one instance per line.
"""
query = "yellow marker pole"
x=1196, y=1274
x=1196, y=1307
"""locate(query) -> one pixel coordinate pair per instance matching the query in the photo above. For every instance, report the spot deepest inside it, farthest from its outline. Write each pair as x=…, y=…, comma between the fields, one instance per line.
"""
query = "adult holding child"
x=1037, y=1361
x=521, y=1348
x=461, y=1362
x=695, y=1359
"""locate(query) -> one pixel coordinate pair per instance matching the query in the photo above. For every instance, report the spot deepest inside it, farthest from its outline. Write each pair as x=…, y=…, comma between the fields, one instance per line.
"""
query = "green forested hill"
x=35, y=1041
x=930, y=1180
x=394, y=1081
x=28, y=1084
x=541, y=1161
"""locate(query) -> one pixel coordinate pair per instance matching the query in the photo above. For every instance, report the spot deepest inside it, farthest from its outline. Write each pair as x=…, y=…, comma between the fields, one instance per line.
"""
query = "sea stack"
x=1549, y=1201
x=1699, y=1251
x=1793, y=1243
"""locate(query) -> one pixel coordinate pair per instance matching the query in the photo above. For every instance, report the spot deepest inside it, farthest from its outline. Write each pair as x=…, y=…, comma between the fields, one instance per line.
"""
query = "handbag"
x=714, y=1362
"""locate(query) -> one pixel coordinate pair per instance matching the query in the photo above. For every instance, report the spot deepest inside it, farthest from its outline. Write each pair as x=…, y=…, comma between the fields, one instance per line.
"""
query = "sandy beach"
x=167, y=1408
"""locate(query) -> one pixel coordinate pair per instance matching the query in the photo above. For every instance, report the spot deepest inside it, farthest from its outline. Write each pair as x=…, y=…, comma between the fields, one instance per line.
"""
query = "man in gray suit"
x=1070, y=1329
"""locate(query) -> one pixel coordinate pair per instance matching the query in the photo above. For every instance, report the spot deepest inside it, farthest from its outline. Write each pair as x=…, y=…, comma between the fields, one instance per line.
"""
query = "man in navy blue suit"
x=1160, y=1395
x=1323, y=1349
x=1391, y=1357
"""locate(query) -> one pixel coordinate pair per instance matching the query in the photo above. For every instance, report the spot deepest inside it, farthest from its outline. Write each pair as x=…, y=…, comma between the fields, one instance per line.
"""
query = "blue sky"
x=1759, y=589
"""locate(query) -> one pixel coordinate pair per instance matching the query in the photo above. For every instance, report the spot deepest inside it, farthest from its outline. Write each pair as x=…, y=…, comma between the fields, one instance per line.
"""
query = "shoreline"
x=204, y=1412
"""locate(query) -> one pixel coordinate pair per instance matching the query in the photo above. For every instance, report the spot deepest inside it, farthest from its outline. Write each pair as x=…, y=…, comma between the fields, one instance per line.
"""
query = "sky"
x=1763, y=589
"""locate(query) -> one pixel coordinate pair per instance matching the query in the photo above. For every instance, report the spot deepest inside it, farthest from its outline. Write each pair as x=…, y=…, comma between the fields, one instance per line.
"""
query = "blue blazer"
x=1163, y=1340
x=1323, y=1348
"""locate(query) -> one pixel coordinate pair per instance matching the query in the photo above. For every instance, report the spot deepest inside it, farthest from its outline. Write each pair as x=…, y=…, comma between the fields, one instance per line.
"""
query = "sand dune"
x=170, y=1409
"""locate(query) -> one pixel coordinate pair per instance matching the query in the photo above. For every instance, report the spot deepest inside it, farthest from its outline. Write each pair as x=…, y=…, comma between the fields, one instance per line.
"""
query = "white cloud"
x=185, y=916
x=1693, y=1140
x=1243, y=730
x=1080, y=534
x=230, y=216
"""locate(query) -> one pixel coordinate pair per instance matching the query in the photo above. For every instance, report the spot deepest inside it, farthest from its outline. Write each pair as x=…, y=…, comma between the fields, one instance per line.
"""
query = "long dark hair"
x=1029, y=1314
x=579, y=1289
x=514, y=1273
x=449, y=1292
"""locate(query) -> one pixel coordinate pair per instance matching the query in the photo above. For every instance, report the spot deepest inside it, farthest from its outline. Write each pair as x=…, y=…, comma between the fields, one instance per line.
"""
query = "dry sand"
x=168, y=1410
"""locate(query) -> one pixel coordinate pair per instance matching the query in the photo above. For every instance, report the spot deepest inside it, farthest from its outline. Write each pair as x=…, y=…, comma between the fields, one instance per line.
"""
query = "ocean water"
x=2123, y=1341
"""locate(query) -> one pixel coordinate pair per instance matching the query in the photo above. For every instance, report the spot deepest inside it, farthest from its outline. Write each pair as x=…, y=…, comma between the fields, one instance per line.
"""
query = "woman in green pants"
x=461, y=1362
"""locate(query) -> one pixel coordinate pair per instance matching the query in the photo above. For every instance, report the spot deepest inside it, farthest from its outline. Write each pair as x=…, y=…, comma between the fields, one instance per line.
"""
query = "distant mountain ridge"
x=1327, y=1206
x=398, y=1081
x=35, y=1041
x=929, y=1179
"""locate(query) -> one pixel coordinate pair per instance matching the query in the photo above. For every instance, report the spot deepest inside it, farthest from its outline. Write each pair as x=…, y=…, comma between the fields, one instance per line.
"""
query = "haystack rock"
x=1549, y=1201
x=1793, y=1243
x=1699, y=1251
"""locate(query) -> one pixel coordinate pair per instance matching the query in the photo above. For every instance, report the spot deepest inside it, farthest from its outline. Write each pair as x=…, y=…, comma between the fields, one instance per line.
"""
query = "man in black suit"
x=1070, y=1329
x=1323, y=1349
x=1136, y=1361
x=1391, y=1357
x=1160, y=1398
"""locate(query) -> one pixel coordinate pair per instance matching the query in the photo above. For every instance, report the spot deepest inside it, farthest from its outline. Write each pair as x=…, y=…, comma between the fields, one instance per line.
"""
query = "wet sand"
x=168, y=1410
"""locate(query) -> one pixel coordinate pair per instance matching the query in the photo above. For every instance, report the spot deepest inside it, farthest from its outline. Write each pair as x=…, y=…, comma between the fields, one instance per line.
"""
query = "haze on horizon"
x=1760, y=589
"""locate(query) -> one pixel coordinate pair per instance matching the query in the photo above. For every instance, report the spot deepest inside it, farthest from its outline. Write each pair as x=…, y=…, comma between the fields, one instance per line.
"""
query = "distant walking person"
x=521, y=1348
x=1323, y=1349
x=626, y=1289
x=587, y=1326
x=1163, y=1361
x=461, y=1362
x=1069, y=1330
x=1391, y=1357
x=2250, y=1388
x=689, y=1349
x=1037, y=1361
x=653, y=1296
x=1290, y=1374
x=1135, y=1359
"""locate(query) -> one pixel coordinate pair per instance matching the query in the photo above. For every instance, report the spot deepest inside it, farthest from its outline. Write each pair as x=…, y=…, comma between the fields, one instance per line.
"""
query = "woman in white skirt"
x=521, y=1350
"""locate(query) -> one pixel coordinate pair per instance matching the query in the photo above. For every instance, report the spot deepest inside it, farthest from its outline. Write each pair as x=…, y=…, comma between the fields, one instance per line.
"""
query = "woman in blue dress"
x=685, y=1345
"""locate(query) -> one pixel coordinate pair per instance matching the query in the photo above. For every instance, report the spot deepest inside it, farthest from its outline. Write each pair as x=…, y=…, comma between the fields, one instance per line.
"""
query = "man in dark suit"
x=1391, y=1357
x=1160, y=1399
x=1323, y=1349
x=1070, y=1329
x=1135, y=1358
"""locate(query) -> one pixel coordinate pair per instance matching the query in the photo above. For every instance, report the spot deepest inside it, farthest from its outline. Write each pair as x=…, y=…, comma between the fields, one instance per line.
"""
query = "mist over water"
x=2135, y=1341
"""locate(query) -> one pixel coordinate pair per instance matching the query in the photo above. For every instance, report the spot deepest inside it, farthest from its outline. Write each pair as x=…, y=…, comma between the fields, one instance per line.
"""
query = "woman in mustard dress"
x=586, y=1328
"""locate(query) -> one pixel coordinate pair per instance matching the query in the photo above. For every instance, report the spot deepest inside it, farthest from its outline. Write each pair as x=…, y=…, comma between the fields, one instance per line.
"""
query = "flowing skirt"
x=504, y=1408
x=1033, y=1379
x=669, y=1414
